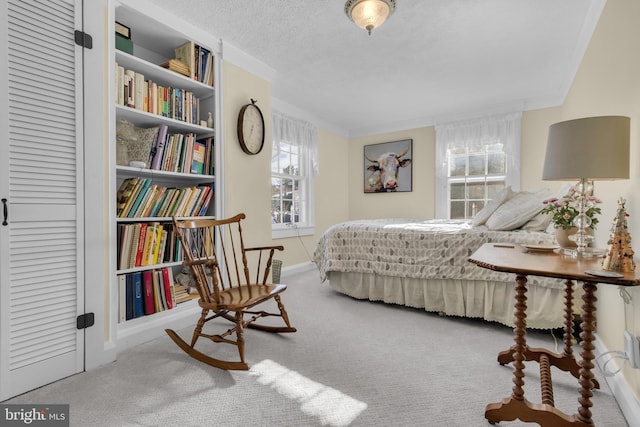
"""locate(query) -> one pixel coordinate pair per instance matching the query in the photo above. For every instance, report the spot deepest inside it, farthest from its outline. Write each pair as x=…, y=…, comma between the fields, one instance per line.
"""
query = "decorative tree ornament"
x=619, y=255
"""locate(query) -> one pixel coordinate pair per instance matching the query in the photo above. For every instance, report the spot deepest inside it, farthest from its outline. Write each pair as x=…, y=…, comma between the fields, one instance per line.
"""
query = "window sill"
x=284, y=231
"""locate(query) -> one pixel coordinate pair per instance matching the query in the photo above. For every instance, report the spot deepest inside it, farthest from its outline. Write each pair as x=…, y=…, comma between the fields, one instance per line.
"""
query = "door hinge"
x=83, y=39
x=85, y=320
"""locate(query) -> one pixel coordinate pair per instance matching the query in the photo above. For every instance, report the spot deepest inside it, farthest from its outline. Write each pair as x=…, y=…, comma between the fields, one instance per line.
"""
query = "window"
x=293, y=168
x=476, y=160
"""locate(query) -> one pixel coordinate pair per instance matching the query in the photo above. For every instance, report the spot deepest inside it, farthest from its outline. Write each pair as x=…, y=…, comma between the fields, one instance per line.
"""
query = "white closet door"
x=41, y=159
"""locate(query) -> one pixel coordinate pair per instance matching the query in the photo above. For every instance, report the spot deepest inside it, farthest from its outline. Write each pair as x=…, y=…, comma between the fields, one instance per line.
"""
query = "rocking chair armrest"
x=262, y=248
x=207, y=262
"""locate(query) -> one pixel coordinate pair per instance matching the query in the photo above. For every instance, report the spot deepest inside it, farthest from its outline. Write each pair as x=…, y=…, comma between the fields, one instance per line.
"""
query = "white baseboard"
x=621, y=390
x=298, y=268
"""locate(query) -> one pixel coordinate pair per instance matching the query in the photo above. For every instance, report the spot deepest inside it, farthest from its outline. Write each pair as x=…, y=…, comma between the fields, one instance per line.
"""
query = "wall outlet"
x=632, y=349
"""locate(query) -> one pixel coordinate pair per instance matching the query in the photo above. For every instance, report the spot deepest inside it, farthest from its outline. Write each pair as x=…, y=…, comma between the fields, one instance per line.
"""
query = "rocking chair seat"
x=245, y=296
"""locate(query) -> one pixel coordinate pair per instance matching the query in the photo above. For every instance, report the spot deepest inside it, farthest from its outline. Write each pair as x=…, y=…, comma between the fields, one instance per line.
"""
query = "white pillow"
x=516, y=211
x=542, y=222
x=484, y=214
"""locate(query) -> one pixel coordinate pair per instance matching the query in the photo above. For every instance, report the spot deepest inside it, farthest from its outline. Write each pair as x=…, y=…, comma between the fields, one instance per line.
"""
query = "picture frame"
x=388, y=167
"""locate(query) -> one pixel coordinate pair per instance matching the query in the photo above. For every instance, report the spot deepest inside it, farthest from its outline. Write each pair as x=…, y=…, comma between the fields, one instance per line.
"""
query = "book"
x=147, y=283
x=130, y=297
x=129, y=85
x=157, y=293
x=197, y=164
x=138, y=307
x=124, y=192
x=186, y=54
x=132, y=198
x=177, y=66
x=125, y=246
x=149, y=244
x=167, y=287
x=146, y=200
x=163, y=246
x=139, y=197
x=207, y=202
x=119, y=84
x=138, y=96
x=171, y=285
x=161, y=141
x=158, y=242
x=133, y=243
x=122, y=297
x=139, y=243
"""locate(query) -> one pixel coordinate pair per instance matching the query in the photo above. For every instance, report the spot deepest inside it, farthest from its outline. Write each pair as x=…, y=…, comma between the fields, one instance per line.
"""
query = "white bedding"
x=424, y=264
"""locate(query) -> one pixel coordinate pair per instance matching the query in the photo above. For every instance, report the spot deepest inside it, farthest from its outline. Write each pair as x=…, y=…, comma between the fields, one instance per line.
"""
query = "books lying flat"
x=177, y=66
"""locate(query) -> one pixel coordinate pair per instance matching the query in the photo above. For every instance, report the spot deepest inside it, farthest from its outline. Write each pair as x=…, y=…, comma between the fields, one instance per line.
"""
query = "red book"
x=140, y=248
x=167, y=287
x=147, y=287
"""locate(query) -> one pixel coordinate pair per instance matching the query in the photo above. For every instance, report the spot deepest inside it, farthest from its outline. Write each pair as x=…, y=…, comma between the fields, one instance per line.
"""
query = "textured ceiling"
x=432, y=60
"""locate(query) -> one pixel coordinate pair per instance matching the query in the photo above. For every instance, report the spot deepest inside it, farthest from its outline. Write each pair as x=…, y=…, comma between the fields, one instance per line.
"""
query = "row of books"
x=134, y=91
x=140, y=198
x=199, y=62
x=144, y=244
x=147, y=292
x=182, y=153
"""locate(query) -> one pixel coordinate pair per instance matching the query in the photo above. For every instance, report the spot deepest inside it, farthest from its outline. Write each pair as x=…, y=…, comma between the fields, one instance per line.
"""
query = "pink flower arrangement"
x=565, y=209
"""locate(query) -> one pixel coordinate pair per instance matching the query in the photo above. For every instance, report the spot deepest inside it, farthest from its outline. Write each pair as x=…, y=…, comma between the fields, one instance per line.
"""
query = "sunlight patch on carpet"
x=331, y=406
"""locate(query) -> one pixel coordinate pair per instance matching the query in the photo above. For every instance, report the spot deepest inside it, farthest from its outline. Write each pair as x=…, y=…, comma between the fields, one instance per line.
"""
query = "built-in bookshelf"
x=164, y=138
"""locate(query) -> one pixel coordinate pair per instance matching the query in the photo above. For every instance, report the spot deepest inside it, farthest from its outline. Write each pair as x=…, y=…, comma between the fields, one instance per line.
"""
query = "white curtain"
x=297, y=132
x=475, y=133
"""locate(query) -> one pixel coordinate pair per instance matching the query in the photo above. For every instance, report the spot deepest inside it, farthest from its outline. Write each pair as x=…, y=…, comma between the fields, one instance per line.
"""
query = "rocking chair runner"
x=224, y=284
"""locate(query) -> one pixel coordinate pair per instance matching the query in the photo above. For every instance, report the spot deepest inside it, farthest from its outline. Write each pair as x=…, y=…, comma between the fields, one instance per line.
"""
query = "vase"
x=562, y=236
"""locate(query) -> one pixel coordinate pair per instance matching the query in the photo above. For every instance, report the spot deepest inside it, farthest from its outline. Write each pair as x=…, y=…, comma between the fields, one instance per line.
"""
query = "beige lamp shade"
x=593, y=148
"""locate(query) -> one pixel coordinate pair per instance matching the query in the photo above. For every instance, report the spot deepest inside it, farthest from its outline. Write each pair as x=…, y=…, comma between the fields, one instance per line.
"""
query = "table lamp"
x=587, y=149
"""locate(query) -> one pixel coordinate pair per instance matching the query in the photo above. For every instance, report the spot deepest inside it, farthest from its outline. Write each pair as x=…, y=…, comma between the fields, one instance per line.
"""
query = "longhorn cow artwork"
x=387, y=167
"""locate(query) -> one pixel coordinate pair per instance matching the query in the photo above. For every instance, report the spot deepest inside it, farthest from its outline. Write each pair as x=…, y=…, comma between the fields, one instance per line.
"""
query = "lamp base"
x=587, y=253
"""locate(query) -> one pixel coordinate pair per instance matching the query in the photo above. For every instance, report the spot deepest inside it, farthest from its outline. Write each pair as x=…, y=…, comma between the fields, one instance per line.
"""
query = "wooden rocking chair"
x=224, y=284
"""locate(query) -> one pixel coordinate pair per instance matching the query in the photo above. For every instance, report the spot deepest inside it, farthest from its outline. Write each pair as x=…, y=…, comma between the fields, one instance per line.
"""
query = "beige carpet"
x=350, y=363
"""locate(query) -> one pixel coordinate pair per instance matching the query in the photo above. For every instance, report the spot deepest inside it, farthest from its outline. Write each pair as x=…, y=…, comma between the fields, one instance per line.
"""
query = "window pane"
x=458, y=166
x=497, y=164
x=457, y=210
x=458, y=191
x=493, y=188
x=474, y=208
x=476, y=164
x=475, y=190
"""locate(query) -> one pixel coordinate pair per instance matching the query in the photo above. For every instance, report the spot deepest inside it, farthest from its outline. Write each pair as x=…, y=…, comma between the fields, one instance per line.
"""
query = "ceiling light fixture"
x=369, y=14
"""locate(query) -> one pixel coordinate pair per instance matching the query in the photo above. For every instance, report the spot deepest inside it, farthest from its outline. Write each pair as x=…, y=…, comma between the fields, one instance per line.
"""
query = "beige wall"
x=247, y=179
x=608, y=83
x=419, y=203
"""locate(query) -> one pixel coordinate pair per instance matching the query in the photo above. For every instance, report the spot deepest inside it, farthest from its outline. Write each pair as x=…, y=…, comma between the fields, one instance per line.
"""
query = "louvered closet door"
x=41, y=244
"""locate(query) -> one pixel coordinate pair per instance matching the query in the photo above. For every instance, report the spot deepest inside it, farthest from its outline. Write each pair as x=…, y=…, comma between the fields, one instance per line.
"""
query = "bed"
x=424, y=264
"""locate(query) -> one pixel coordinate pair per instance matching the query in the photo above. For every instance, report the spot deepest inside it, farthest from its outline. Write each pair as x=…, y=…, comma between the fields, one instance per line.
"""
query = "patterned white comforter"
x=417, y=248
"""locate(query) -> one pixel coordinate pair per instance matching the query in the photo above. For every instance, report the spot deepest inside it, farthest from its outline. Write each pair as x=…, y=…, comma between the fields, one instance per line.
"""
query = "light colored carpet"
x=351, y=362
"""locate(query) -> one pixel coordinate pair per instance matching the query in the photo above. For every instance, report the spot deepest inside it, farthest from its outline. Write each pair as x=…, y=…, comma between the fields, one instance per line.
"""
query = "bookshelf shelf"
x=131, y=172
x=159, y=73
x=146, y=255
x=145, y=119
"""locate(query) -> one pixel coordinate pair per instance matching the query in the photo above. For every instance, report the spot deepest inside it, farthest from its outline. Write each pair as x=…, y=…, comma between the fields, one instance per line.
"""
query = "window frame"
x=306, y=180
x=472, y=134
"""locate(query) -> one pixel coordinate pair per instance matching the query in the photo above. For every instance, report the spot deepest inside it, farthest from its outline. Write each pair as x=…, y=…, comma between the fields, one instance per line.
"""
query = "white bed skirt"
x=492, y=301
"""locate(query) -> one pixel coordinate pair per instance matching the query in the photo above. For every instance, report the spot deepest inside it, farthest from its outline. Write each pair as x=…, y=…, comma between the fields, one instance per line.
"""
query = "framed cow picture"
x=387, y=167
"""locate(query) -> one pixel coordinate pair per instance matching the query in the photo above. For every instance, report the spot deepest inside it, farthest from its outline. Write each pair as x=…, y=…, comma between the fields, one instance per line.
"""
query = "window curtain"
x=297, y=132
x=475, y=133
